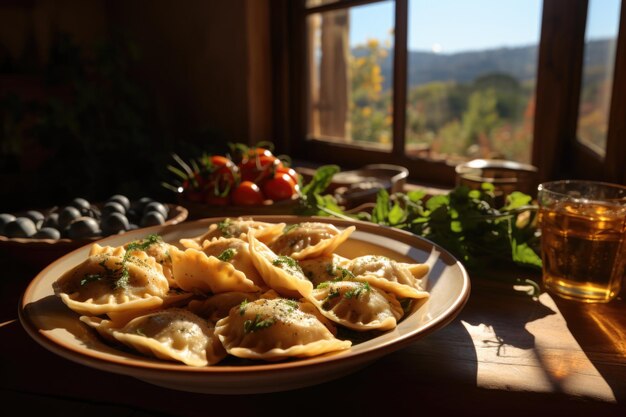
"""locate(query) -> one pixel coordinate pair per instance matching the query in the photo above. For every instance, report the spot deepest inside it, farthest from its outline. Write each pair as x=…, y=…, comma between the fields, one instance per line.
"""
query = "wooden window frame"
x=556, y=152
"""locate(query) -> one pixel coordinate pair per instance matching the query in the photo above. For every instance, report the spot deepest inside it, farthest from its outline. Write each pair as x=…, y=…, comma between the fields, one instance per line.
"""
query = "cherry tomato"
x=247, y=194
x=289, y=171
x=219, y=161
x=193, y=188
x=221, y=174
x=280, y=187
x=252, y=152
x=259, y=168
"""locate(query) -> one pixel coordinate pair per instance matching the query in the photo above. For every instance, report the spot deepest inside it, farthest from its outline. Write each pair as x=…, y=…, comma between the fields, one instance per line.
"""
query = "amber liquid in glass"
x=583, y=250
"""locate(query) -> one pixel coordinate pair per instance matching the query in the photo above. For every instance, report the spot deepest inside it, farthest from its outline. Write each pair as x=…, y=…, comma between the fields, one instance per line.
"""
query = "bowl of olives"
x=40, y=236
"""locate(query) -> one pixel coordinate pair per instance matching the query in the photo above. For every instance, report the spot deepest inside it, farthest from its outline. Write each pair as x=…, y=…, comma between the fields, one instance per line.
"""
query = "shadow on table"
x=506, y=312
x=600, y=330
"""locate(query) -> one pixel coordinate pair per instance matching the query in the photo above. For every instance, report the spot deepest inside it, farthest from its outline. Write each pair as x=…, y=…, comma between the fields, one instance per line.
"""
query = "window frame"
x=556, y=152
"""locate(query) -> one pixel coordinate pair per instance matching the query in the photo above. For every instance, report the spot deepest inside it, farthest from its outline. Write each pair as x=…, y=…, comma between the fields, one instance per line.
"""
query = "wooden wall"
x=205, y=63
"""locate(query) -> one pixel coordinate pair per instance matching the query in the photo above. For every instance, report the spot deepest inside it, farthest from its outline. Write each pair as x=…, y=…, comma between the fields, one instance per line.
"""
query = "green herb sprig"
x=227, y=254
x=466, y=222
x=250, y=326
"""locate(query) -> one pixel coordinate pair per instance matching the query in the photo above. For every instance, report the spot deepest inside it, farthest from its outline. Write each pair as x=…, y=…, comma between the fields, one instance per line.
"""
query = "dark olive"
x=83, y=227
x=47, y=233
x=112, y=207
x=81, y=204
x=52, y=220
x=36, y=216
x=114, y=223
x=156, y=206
x=122, y=199
x=67, y=216
x=4, y=219
x=20, y=227
x=152, y=218
x=139, y=205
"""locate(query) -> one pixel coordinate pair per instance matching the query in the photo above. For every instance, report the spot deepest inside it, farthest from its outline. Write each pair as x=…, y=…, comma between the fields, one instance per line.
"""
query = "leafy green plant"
x=465, y=222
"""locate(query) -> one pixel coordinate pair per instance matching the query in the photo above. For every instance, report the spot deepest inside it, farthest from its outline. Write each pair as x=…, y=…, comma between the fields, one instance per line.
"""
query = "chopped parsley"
x=339, y=273
x=121, y=275
x=250, y=326
x=242, y=307
x=356, y=292
x=90, y=278
x=224, y=227
x=137, y=245
x=291, y=303
x=332, y=293
x=227, y=255
x=144, y=244
x=288, y=264
x=124, y=279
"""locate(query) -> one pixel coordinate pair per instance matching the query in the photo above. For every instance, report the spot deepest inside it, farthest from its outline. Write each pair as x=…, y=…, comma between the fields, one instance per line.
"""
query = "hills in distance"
x=464, y=67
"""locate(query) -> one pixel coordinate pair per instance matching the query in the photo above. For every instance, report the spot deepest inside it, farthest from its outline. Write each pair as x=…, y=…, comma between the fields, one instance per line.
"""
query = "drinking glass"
x=583, y=238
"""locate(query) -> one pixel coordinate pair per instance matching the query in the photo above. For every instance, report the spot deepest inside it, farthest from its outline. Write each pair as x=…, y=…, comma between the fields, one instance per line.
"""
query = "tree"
x=480, y=119
x=370, y=108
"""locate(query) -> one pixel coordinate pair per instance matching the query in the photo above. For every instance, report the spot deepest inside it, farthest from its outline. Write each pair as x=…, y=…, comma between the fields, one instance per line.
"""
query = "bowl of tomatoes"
x=245, y=181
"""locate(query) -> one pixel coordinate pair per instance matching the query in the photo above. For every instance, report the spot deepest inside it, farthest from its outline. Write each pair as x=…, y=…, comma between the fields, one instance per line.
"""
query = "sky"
x=449, y=26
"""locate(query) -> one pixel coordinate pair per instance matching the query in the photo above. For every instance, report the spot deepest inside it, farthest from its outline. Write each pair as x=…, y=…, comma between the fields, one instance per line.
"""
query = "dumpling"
x=236, y=252
x=154, y=246
x=281, y=273
x=106, y=250
x=228, y=227
x=217, y=306
x=113, y=280
x=357, y=305
x=196, y=272
x=275, y=329
x=325, y=268
x=395, y=277
x=174, y=298
x=309, y=240
x=172, y=334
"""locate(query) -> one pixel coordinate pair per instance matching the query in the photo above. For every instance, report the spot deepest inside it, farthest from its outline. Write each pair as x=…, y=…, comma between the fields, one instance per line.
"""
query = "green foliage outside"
x=489, y=117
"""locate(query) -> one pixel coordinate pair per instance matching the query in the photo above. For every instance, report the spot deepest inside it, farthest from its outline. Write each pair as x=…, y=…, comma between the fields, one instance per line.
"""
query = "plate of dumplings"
x=241, y=305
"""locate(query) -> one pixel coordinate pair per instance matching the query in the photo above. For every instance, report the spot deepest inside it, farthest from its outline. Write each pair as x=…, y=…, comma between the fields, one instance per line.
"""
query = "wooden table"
x=505, y=354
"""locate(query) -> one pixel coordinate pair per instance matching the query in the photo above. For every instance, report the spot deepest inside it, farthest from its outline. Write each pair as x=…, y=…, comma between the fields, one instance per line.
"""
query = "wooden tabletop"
x=507, y=353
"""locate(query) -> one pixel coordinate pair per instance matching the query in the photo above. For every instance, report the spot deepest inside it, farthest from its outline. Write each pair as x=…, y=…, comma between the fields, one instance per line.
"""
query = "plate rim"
x=150, y=368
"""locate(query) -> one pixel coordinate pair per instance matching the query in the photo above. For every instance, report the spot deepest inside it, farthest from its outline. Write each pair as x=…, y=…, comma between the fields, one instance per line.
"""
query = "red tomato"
x=289, y=171
x=252, y=152
x=281, y=187
x=247, y=194
x=259, y=168
x=193, y=188
x=221, y=176
x=219, y=161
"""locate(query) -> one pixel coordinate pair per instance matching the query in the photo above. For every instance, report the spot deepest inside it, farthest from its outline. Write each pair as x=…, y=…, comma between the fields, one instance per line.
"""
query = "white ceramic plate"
x=58, y=329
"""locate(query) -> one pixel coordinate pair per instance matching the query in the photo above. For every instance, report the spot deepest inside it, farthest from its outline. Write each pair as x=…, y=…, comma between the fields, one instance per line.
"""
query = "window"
x=471, y=93
x=349, y=81
x=429, y=84
x=598, y=64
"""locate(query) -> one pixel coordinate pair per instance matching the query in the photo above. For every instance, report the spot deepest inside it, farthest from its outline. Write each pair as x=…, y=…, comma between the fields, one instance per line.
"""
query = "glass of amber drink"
x=583, y=238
